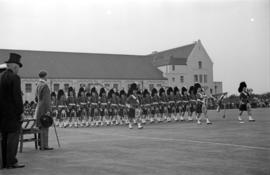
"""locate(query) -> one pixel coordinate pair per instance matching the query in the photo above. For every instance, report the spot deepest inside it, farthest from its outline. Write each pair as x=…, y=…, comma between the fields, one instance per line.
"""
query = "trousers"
x=10, y=143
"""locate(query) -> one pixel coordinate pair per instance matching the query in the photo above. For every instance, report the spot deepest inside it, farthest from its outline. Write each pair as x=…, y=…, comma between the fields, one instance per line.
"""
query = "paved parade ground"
x=225, y=147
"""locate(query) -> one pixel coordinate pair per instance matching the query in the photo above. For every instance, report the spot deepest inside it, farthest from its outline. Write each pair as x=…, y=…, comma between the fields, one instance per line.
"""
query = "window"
x=182, y=79
x=115, y=86
x=173, y=67
x=173, y=79
x=56, y=87
x=158, y=85
x=195, y=78
x=107, y=85
x=200, y=64
x=151, y=86
x=28, y=88
x=82, y=85
x=66, y=86
x=201, y=77
x=205, y=78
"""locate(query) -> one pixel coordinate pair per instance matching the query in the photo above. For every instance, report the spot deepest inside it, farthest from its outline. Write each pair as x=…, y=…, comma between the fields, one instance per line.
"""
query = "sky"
x=235, y=33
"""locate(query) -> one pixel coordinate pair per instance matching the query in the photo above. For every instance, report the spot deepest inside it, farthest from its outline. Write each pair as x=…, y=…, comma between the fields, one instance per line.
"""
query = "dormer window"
x=200, y=64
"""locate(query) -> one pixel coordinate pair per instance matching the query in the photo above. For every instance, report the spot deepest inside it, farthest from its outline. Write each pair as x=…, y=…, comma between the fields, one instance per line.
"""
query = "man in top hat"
x=11, y=111
x=43, y=97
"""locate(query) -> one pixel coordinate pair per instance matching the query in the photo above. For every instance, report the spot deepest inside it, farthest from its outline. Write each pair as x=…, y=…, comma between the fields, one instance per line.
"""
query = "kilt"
x=131, y=113
x=199, y=108
x=243, y=107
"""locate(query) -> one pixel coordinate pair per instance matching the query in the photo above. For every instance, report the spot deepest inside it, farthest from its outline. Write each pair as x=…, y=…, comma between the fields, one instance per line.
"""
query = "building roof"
x=69, y=65
x=175, y=56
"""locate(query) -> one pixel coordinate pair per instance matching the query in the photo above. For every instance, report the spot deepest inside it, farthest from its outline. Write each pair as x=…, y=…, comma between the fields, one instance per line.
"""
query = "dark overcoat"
x=11, y=103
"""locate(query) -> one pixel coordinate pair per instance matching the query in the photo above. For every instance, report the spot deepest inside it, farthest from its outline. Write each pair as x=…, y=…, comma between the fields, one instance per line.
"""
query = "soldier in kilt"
x=245, y=95
x=163, y=104
x=185, y=103
x=192, y=103
x=155, y=106
x=146, y=106
x=171, y=104
x=113, y=107
x=133, y=104
x=103, y=107
x=94, y=107
x=122, y=106
x=201, y=107
x=72, y=108
x=62, y=108
x=178, y=103
x=82, y=112
x=54, y=108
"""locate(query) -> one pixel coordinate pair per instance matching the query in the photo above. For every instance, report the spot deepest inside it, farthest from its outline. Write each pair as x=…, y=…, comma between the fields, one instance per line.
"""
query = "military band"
x=108, y=107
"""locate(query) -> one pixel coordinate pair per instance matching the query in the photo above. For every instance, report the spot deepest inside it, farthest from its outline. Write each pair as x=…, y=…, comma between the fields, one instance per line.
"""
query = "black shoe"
x=48, y=148
x=15, y=166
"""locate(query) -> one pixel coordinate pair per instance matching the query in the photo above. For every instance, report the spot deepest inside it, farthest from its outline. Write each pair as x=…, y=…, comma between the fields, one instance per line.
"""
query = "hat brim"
x=20, y=64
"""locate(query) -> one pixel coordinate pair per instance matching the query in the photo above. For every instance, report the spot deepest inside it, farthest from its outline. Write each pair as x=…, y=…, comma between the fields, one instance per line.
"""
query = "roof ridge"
x=69, y=52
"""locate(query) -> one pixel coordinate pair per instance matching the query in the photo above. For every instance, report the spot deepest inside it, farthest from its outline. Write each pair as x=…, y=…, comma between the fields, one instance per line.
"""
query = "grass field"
x=226, y=147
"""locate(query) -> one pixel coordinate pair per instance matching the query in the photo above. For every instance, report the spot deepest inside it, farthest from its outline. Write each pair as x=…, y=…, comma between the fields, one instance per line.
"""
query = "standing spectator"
x=11, y=111
x=43, y=97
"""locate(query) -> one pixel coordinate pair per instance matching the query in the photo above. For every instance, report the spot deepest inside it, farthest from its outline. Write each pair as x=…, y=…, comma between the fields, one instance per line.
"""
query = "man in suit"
x=43, y=97
x=11, y=111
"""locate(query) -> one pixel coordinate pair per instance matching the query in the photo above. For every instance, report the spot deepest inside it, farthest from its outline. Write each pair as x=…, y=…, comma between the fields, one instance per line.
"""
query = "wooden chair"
x=28, y=128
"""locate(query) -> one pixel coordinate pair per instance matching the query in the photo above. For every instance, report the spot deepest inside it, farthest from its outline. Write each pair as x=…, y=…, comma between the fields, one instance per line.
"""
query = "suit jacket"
x=44, y=100
x=11, y=104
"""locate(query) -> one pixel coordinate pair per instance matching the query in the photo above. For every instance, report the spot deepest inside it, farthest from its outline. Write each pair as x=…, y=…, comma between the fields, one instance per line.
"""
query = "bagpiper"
x=133, y=104
x=201, y=106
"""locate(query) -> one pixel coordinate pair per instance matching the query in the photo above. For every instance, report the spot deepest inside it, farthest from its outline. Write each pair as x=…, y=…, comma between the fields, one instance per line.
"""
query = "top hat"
x=14, y=58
